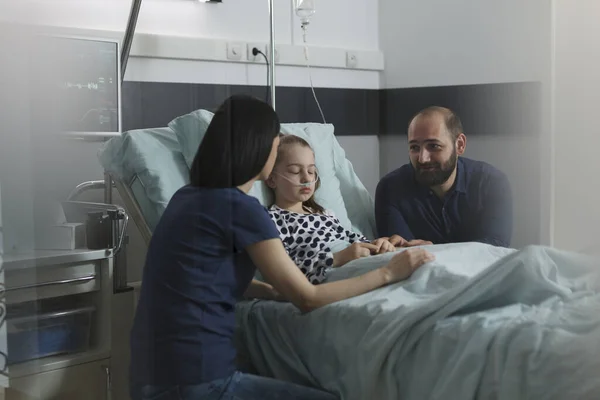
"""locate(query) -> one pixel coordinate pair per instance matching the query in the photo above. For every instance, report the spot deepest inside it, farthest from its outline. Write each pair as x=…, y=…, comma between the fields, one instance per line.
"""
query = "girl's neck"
x=291, y=206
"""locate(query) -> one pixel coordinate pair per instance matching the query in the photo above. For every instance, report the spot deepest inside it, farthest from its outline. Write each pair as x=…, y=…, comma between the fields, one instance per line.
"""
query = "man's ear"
x=461, y=144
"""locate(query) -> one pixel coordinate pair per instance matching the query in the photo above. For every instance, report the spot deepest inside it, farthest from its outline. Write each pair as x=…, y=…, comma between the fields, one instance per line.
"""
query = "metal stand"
x=128, y=39
x=272, y=47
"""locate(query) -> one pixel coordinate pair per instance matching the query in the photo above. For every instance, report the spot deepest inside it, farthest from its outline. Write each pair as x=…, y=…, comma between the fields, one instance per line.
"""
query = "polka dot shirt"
x=306, y=238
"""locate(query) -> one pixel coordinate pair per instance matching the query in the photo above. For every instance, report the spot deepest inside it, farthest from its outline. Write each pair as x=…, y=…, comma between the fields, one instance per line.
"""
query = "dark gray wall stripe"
x=490, y=109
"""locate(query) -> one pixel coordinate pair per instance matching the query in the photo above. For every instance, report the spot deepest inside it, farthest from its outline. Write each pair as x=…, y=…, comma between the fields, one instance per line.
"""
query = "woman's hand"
x=277, y=267
x=262, y=290
x=276, y=296
x=354, y=251
x=383, y=245
x=402, y=265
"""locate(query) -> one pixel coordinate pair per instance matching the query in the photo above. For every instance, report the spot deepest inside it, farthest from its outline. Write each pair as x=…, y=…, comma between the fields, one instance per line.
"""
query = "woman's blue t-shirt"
x=196, y=269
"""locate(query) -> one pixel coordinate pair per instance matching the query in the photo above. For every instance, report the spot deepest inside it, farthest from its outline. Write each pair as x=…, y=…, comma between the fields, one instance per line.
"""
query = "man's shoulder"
x=399, y=176
x=481, y=169
x=396, y=185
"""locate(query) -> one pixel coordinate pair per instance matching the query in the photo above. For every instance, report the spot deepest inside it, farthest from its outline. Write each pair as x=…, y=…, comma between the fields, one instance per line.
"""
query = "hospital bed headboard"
x=149, y=165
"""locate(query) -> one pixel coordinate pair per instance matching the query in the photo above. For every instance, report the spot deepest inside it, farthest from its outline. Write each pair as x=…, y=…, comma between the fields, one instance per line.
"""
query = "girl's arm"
x=352, y=237
x=313, y=257
x=313, y=262
x=383, y=244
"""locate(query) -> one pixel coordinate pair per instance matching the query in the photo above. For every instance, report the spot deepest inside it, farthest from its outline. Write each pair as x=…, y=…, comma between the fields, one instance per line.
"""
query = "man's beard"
x=439, y=173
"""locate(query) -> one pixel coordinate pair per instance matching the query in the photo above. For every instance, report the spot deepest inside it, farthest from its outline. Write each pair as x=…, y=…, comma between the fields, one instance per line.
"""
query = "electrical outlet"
x=276, y=54
x=351, y=59
x=258, y=57
x=234, y=51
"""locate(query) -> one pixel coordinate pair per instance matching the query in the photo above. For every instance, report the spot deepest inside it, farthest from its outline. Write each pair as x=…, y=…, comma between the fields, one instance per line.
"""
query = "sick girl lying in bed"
x=306, y=229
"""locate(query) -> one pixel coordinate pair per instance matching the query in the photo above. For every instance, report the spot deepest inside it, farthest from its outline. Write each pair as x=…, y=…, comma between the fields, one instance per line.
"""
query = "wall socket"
x=277, y=52
x=258, y=58
x=234, y=50
x=351, y=59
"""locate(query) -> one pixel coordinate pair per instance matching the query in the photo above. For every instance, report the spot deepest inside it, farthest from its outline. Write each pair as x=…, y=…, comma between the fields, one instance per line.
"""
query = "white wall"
x=439, y=42
x=576, y=127
x=335, y=25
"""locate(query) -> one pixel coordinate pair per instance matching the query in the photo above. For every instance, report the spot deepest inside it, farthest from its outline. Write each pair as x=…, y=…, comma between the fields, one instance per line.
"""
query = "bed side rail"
x=133, y=209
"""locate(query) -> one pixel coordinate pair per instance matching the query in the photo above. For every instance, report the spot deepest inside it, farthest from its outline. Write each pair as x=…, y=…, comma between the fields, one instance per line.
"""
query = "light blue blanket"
x=479, y=322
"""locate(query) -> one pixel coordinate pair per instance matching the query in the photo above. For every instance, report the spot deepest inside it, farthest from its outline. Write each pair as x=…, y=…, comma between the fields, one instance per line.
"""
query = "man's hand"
x=396, y=240
x=399, y=241
x=417, y=242
x=383, y=245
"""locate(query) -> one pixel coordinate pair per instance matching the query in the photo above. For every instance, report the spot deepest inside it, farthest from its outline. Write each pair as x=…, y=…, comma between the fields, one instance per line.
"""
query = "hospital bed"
x=479, y=322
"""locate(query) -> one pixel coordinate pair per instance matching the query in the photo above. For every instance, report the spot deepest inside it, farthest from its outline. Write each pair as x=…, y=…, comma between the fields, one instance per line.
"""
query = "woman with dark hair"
x=202, y=258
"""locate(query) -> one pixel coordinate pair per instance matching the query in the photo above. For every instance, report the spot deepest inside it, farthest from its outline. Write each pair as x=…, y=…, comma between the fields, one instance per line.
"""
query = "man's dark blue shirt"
x=478, y=208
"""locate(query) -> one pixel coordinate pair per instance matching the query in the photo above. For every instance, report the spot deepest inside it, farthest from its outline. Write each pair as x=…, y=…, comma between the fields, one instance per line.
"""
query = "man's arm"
x=388, y=218
x=496, y=223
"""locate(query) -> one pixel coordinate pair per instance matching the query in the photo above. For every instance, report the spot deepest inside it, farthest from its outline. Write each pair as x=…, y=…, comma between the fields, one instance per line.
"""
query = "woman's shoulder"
x=226, y=199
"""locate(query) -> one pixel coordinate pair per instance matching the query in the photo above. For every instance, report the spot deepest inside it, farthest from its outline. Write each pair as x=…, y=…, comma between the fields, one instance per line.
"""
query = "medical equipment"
x=78, y=83
x=305, y=9
x=304, y=185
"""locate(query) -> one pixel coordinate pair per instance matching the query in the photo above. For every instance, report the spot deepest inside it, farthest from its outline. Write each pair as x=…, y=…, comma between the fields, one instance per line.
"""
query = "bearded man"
x=440, y=196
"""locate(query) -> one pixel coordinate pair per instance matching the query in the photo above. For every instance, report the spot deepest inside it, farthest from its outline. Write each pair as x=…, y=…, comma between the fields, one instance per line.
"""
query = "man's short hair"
x=451, y=120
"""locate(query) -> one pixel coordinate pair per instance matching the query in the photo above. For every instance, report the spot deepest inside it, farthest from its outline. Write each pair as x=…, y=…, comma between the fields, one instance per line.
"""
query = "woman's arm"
x=276, y=266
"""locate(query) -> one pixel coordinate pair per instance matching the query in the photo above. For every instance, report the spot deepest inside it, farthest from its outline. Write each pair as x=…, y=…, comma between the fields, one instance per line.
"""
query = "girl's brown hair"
x=286, y=141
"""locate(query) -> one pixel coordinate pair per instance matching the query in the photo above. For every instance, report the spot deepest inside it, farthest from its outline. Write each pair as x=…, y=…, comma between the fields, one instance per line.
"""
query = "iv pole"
x=132, y=22
x=128, y=39
x=272, y=50
x=126, y=48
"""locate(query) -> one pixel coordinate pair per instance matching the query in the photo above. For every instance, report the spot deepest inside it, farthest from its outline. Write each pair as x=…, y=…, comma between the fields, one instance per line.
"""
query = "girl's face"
x=296, y=167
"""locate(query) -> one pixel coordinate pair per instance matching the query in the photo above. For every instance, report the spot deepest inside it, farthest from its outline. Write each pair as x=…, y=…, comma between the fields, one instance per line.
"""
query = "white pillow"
x=190, y=130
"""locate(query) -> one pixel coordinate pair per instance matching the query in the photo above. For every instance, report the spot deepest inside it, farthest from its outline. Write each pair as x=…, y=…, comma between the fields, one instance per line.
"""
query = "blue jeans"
x=238, y=386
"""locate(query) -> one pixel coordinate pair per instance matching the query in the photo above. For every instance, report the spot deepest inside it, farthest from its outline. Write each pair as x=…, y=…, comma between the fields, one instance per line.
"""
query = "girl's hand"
x=383, y=245
x=354, y=251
